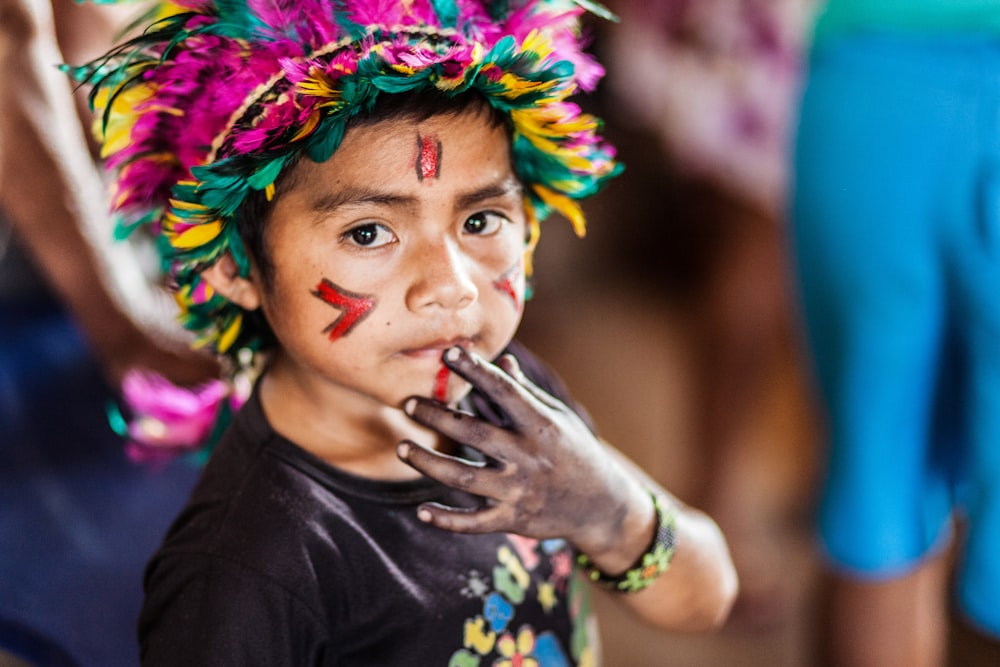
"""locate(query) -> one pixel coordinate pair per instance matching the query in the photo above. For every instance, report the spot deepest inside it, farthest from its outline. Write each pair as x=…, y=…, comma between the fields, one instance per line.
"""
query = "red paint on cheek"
x=428, y=157
x=441, y=385
x=508, y=284
x=355, y=307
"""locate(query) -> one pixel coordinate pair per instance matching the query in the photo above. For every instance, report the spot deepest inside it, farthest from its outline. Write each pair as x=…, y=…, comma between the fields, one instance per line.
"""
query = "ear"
x=224, y=277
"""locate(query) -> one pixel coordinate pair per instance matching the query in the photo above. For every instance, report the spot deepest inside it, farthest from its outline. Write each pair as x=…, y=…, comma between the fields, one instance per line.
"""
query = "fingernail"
x=403, y=450
x=424, y=515
x=453, y=354
x=410, y=405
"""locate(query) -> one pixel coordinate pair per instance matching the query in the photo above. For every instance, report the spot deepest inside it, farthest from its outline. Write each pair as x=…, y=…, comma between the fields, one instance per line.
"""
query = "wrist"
x=652, y=562
x=621, y=532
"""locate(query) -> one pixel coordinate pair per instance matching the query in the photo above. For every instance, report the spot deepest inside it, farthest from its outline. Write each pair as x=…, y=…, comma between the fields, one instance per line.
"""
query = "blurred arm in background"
x=53, y=197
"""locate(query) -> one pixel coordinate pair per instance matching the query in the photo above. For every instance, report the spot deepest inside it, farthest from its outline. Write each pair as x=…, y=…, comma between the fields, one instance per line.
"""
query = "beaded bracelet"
x=650, y=565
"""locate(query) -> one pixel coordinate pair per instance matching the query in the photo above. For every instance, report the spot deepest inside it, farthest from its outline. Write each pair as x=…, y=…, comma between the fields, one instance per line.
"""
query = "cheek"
x=353, y=307
x=511, y=284
x=305, y=311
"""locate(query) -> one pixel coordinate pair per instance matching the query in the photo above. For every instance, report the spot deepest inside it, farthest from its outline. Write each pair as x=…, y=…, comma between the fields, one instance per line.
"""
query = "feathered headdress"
x=216, y=97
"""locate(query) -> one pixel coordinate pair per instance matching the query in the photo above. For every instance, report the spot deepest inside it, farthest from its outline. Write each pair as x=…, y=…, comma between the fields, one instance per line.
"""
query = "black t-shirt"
x=280, y=559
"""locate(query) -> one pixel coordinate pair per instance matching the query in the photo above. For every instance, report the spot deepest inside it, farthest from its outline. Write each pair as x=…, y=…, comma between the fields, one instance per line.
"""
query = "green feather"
x=499, y=9
x=124, y=229
x=326, y=139
x=447, y=12
x=598, y=9
x=267, y=174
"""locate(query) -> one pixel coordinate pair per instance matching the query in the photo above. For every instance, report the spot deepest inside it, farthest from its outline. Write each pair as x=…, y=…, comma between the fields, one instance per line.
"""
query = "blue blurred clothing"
x=929, y=16
x=896, y=226
x=78, y=520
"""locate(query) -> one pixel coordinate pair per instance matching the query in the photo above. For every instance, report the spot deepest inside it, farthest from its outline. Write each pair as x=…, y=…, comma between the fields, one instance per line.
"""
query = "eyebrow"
x=329, y=203
x=507, y=187
x=358, y=196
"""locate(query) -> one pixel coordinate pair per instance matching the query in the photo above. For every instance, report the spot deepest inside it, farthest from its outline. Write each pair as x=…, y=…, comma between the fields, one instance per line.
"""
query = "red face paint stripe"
x=428, y=157
x=507, y=284
x=441, y=385
x=355, y=307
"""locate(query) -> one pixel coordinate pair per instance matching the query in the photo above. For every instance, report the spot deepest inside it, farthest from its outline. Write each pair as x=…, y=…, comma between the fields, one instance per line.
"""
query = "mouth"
x=434, y=349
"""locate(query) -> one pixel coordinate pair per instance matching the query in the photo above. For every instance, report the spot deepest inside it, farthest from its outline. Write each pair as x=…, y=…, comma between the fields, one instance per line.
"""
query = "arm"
x=55, y=200
x=554, y=478
x=699, y=588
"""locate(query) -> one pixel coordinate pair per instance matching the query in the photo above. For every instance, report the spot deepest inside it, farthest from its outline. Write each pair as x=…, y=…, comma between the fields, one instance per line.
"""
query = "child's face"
x=410, y=239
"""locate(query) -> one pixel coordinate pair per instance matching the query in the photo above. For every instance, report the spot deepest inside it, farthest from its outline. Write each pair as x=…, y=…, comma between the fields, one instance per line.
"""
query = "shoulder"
x=239, y=579
x=260, y=510
x=207, y=609
x=252, y=516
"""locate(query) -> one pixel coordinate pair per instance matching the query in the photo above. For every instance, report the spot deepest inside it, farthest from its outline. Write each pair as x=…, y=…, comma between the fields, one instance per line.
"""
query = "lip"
x=435, y=348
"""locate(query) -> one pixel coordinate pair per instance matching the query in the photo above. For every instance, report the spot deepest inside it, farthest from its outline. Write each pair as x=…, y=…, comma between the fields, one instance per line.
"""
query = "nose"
x=442, y=278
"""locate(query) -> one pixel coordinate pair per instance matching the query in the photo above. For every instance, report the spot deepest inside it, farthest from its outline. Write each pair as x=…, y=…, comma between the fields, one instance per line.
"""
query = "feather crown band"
x=215, y=98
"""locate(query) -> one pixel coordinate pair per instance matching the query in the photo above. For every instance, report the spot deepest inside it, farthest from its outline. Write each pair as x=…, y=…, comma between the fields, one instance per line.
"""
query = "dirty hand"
x=546, y=475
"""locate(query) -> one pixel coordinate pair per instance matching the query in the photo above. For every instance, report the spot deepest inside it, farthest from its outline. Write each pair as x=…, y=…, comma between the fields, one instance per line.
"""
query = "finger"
x=459, y=426
x=488, y=519
x=496, y=384
x=470, y=476
x=508, y=363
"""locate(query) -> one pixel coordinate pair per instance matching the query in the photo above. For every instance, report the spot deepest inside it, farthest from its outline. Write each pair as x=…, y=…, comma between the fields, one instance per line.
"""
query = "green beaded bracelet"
x=650, y=565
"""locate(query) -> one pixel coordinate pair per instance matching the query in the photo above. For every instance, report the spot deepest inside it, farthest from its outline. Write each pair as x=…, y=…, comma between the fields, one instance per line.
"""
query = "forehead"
x=389, y=152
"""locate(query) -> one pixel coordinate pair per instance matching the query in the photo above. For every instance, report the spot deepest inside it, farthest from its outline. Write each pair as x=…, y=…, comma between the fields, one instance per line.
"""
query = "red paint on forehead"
x=355, y=307
x=428, y=157
x=441, y=384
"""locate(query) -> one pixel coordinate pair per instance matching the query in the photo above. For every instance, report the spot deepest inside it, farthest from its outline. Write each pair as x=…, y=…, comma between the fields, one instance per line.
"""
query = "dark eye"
x=370, y=235
x=484, y=223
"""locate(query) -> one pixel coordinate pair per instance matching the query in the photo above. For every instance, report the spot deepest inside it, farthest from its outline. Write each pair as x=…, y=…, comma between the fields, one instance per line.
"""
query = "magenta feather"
x=165, y=419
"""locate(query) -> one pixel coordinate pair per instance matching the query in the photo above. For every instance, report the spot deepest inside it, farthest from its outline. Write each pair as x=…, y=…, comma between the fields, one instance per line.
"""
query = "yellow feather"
x=310, y=125
x=228, y=337
x=167, y=9
x=318, y=85
x=118, y=131
x=516, y=86
x=181, y=299
x=186, y=205
x=534, y=232
x=197, y=235
x=566, y=206
x=539, y=43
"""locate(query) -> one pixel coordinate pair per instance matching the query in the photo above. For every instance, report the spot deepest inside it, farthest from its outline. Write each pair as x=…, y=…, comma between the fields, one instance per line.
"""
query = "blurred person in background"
x=77, y=519
x=896, y=230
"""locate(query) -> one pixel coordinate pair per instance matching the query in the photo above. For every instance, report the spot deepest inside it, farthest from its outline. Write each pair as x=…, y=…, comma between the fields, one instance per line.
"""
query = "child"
x=355, y=186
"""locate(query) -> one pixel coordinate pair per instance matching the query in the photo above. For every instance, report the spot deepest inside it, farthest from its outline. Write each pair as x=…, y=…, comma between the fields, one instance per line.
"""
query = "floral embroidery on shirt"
x=476, y=585
x=526, y=570
x=516, y=651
